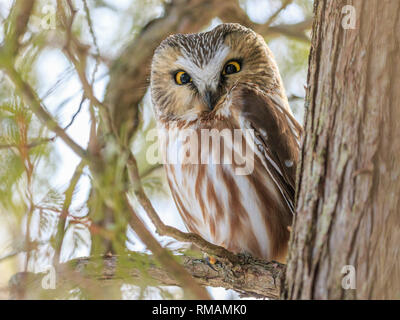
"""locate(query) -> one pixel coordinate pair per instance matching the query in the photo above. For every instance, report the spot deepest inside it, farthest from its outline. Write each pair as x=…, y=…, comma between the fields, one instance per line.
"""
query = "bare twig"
x=30, y=145
x=273, y=17
x=150, y=170
x=75, y=114
x=296, y=31
x=93, y=146
x=65, y=209
x=94, y=39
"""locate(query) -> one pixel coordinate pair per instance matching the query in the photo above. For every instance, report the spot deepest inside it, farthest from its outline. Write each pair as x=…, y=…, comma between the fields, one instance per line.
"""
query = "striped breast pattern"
x=238, y=212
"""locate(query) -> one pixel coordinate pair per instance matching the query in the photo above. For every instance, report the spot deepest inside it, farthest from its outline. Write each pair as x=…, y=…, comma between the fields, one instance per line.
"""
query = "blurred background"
x=37, y=168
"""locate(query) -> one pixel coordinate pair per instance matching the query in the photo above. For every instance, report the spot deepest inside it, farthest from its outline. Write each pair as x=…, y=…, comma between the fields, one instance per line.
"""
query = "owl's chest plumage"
x=237, y=211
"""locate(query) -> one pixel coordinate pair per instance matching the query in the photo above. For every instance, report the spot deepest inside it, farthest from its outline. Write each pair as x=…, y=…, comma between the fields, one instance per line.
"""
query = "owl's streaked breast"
x=235, y=211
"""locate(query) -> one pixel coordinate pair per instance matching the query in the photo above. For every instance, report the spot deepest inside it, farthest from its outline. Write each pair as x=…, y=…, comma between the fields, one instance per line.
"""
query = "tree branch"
x=275, y=15
x=248, y=276
x=22, y=11
x=296, y=30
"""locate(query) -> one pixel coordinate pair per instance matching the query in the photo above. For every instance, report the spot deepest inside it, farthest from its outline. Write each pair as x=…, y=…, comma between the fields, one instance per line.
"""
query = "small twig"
x=150, y=170
x=272, y=18
x=91, y=30
x=30, y=145
x=65, y=209
x=75, y=114
x=23, y=247
x=61, y=79
x=293, y=97
x=296, y=31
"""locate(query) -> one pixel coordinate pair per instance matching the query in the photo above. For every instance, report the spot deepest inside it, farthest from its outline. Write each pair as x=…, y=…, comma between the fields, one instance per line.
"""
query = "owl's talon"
x=246, y=256
x=211, y=261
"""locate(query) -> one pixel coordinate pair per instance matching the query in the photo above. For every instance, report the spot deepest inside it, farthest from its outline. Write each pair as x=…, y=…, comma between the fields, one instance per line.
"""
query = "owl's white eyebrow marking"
x=209, y=73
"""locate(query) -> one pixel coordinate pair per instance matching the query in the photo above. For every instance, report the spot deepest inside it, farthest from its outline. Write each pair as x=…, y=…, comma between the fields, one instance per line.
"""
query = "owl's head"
x=192, y=73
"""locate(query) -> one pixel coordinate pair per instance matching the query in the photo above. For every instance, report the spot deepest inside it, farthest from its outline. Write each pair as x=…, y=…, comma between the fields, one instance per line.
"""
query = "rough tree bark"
x=349, y=186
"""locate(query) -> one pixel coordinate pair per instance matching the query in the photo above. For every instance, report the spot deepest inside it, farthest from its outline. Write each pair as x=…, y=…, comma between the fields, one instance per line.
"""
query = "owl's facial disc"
x=192, y=74
x=207, y=78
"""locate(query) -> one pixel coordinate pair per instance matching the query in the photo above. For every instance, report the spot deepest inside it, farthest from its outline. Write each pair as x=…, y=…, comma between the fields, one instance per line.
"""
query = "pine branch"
x=34, y=103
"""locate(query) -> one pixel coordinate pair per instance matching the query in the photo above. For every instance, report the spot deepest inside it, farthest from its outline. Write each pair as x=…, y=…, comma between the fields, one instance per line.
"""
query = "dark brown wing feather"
x=280, y=144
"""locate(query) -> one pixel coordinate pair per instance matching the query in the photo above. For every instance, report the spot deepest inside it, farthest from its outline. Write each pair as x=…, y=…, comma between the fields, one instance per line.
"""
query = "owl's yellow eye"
x=231, y=67
x=182, y=77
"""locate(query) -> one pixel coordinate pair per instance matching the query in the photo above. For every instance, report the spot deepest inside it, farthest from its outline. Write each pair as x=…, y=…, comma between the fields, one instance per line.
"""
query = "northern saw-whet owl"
x=227, y=79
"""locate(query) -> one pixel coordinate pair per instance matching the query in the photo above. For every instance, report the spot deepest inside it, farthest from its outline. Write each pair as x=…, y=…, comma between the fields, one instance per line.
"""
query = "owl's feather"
x=281, y=142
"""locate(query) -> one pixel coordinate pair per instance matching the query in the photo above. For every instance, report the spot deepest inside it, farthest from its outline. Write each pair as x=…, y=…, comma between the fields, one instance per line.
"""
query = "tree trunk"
x=349, y=181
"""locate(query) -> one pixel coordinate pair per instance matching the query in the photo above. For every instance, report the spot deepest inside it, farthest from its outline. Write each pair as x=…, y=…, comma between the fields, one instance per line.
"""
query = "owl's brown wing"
x=277, y=135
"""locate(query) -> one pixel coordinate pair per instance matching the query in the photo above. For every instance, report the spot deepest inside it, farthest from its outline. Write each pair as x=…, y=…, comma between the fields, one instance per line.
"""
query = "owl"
x=226, y=80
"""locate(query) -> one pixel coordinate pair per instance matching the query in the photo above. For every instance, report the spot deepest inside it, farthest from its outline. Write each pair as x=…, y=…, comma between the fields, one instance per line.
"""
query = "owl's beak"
x=210, y=98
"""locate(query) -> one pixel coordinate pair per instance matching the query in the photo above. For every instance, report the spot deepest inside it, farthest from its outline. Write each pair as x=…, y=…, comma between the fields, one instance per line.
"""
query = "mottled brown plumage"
x=227, y=79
